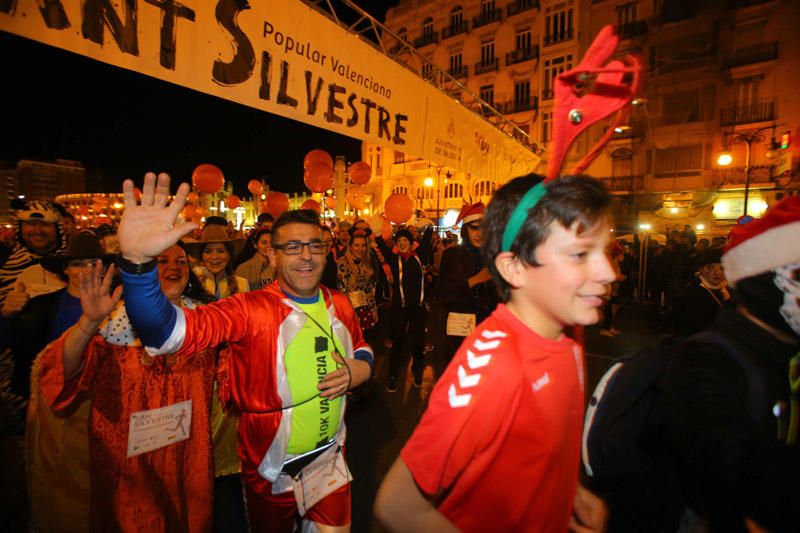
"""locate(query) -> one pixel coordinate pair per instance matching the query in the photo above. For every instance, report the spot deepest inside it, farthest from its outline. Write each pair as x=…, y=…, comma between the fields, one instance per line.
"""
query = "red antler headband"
x=584, y=96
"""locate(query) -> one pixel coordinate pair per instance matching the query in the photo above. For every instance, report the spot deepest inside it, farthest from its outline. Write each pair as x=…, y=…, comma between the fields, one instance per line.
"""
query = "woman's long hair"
x=230, y=273
x=365, y=262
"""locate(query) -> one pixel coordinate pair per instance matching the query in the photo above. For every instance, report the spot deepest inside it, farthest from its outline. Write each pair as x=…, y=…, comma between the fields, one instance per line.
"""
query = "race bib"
x=357, y=298
x=156, y=428
x=460, y=324
x=327, y=473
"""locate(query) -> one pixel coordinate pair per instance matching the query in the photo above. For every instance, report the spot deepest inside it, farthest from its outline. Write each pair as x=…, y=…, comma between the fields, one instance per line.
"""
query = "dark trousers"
x=407, y=323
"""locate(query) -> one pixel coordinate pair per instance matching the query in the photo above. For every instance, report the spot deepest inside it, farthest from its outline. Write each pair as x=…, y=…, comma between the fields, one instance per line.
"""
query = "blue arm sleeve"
x=152, y=315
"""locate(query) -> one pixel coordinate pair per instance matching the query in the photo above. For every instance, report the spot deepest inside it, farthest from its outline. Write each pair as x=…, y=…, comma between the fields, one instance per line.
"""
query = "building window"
x=552, y=68
x=522, y=94
x=427, y=70
x=682, y=107
x=622, y=163
x=487, y=53
x=399, y=157
x=485, y=188
x=400, y=189
x=427, y=28
x=547, y=126
x=558, y=23
x=425, y=193
x=487, y=94
x=679, y=161
x=523, y=40
x=456, y=19
x=455, y=63
x=745, y=91
x=453, y=190
x=626, y=14
x=487, y=8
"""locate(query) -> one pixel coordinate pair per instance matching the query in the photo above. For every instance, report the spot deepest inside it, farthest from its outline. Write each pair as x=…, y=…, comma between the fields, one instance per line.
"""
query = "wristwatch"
x=136, y=268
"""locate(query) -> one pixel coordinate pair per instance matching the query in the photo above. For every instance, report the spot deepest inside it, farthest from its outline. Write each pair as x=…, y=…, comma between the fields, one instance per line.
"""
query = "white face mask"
x=786, y=279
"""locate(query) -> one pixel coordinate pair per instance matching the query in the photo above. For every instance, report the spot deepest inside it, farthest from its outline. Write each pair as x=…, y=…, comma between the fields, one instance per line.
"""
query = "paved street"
x=380, y=423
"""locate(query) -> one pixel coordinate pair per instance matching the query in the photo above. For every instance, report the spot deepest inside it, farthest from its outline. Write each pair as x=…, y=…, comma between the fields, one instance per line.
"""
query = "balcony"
x=520, y=6
x=524, y=54
x=455, y=29
x=486, y=66
x=488, y=17
x=547, y=93
x=426, y=39
x=623, y=184
x=753, y=54
x=631, y=29
x=518, y=106
x=558, y=37
x=763, y=111
x=735, y=176
x=458, y=72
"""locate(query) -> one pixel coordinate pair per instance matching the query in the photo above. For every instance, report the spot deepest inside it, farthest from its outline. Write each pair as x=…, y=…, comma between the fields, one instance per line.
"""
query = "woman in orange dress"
x=152, y=461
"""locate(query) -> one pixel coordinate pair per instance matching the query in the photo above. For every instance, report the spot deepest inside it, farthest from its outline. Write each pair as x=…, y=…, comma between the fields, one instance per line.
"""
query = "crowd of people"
x=162, y=376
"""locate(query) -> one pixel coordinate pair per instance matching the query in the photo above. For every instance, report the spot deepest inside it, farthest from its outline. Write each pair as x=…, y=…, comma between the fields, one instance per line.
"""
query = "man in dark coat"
x=465, y=284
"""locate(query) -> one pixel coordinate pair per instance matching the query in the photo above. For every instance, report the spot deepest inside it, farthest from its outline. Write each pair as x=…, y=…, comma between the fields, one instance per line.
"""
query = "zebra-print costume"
x=20, y=258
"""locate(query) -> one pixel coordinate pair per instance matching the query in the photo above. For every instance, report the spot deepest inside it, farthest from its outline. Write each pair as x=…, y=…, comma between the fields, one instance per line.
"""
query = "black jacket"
x=413, y=277
x=458, y=265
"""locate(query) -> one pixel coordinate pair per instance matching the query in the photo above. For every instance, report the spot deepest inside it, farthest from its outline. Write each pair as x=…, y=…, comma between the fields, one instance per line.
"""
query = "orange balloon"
x=360, y=172
x=255, y=187
x=199, y=212
x=330, y=202
x=318, y=177
x=192, y=197
x=277, y=203
x=311, y=204
x=232, y=201
x=317, y=156
x=207, y=178
x=356, y=196
x=399, y=208
x=189, y=211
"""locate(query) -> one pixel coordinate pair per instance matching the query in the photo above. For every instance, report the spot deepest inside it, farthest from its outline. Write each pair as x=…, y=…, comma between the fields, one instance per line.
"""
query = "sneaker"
x=391, y=386
x=417, y=374
x=606, y=333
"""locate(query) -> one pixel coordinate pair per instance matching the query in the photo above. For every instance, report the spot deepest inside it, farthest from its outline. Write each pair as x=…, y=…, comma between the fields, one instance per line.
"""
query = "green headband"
x=526, y=203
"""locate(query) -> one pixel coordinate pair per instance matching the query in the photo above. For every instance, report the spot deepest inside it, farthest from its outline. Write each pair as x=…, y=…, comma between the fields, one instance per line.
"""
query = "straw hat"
x=214, y=233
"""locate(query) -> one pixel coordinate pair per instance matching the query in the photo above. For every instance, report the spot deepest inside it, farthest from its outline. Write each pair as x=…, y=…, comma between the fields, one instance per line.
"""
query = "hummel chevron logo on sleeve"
x=480, y=345
x=458, y=400
x=465, y=380
x=493, y=334
x=477, y=361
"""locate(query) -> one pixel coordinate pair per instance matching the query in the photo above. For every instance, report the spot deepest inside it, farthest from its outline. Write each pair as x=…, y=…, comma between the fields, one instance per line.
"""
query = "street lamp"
x=748, y=138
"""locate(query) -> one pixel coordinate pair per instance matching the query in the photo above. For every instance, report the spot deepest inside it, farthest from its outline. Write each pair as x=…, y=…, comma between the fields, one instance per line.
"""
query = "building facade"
x=718, y=76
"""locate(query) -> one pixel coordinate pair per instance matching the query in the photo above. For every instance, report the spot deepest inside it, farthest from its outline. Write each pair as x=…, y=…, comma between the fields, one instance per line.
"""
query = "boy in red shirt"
x=498, y=448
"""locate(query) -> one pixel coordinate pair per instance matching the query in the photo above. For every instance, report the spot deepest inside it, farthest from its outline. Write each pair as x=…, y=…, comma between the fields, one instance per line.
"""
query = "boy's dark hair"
x=296, y=216
x=569, y=199
x=264, y=217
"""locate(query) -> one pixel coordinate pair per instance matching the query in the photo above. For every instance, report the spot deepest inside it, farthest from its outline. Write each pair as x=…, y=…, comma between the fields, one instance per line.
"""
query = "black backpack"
x=624, y=415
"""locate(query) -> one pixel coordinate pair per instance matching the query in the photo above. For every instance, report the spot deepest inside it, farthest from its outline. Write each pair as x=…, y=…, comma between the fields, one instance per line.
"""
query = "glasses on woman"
x=296, y=247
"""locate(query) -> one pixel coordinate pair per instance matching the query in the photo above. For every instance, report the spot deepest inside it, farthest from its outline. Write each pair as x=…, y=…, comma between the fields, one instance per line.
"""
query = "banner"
x=279, y=56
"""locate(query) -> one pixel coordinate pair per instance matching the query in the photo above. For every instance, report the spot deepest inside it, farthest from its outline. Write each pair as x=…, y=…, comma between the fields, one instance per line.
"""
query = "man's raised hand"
x=148, y=229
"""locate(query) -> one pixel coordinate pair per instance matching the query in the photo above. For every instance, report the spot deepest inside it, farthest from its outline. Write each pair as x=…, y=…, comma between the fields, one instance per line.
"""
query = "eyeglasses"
x=296, y=247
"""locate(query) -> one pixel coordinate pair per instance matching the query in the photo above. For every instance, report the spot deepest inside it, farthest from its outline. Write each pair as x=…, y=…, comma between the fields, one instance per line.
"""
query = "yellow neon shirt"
x=308, y=360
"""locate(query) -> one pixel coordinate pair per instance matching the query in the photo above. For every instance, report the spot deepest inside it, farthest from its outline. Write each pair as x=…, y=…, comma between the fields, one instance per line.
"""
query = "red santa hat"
x=470, y=213
x=764, y=244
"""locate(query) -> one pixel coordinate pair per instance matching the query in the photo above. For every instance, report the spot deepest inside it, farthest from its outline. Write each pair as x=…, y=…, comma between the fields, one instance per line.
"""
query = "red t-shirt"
x=500, y=440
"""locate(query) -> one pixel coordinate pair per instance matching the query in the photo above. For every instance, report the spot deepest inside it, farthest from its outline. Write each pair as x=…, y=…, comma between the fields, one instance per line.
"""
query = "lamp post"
x=748, y=138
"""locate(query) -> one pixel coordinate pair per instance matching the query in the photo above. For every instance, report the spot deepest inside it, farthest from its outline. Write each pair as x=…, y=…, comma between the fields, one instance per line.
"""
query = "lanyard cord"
x=794, y=385
x=338, y=365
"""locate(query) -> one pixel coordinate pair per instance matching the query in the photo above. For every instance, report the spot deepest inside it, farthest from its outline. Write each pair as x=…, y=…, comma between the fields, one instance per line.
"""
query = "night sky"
x=61, y=105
